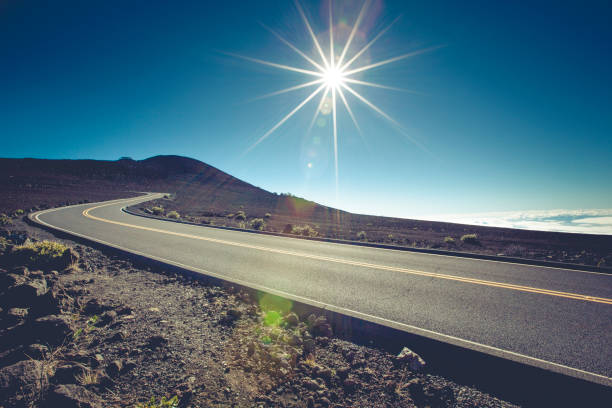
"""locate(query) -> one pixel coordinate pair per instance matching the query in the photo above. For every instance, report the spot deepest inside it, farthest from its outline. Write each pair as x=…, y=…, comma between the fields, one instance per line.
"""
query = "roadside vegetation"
x=173, y=214
x=470, y=239
x=157, y=210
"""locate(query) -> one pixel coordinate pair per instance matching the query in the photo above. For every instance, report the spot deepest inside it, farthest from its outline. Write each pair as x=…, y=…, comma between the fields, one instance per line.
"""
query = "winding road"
x=557, y=319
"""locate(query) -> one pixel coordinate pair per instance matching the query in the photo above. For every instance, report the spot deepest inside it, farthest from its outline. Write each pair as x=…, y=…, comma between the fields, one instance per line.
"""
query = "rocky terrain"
x=205, y=195
x=85, y=328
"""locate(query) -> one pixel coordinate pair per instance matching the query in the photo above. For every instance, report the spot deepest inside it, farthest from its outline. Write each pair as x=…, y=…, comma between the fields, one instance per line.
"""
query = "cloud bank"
x=597, y=221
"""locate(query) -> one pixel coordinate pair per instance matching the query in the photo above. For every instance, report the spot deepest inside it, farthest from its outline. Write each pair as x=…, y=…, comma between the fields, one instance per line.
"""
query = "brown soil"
x=133, y=333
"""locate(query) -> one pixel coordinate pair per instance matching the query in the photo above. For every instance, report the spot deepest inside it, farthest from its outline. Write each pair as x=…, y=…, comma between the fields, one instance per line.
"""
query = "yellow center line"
x=357, y=263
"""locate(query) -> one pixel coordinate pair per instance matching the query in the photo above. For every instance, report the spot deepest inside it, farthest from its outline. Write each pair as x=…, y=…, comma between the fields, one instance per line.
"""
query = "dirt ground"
x=118, y=333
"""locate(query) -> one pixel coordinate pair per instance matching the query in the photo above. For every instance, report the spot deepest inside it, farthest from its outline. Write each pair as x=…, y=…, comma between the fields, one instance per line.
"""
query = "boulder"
x=36, y=351
x=11, y=279
x=94, y=307
x=71, y=396
x=410, y=359
x=25, y=294
x=66, y=374
x=292, y=319
x=24, y=377
x=52, y=329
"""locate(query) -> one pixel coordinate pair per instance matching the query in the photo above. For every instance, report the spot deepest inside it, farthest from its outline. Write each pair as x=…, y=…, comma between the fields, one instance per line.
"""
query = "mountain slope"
x=204, y=194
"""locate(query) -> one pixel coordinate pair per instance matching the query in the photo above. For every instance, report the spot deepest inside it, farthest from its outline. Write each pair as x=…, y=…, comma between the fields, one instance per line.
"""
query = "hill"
x=204, y=194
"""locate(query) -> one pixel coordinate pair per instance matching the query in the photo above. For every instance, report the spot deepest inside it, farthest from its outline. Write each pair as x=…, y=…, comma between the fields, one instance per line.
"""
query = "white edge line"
x=491, y=350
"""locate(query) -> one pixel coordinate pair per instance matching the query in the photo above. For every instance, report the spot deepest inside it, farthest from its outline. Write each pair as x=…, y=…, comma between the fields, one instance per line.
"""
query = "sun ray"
x=390, y=60
x=312, y=34
x=384, y=115
x=335, y=140
x=374, y=85
x=314, y=117
x=332, y=63
x=349, y=110
x=275, y=65
x=365, y=6
x=291, y=89
x=368, y=45
x=283, y=120
x=294, y=48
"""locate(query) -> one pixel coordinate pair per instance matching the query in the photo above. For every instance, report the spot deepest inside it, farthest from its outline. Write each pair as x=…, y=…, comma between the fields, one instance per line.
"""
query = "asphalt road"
x=549, y=317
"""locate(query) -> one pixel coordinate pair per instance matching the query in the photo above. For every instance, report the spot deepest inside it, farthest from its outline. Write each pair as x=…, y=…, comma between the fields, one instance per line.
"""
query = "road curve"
x=552, y=318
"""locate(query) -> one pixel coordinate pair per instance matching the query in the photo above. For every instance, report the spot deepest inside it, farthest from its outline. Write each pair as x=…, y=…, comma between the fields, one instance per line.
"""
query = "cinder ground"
x=119, y=333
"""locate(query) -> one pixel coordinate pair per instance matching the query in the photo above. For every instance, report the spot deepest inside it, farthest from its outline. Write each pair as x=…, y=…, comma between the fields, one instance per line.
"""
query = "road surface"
x=549, y=317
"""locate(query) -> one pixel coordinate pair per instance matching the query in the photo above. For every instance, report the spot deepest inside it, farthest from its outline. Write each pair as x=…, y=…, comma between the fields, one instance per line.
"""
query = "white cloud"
x=596, y=221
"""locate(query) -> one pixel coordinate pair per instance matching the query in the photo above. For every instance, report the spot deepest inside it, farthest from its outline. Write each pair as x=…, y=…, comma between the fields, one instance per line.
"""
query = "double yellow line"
x=360, y=264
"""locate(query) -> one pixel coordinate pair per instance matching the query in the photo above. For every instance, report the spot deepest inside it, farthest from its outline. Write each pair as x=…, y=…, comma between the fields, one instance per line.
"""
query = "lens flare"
x=331, y=76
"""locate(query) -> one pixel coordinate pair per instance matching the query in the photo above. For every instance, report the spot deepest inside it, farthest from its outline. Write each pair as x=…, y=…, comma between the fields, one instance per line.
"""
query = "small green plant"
x=174, y=215
x=362, y=236
x=19, y=212
x=87, y=377
x=240, y=216
x=304, y=230
x=5, y=221
x=449, y=240
x=163, y=403
x=77, y=333
x=230, y=215
x=470, y=239
x=158, y=210
x=267, y=215
x=258, y=224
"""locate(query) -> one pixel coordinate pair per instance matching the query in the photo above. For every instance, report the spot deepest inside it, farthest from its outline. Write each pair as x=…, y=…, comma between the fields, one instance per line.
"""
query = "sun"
x=333, y=75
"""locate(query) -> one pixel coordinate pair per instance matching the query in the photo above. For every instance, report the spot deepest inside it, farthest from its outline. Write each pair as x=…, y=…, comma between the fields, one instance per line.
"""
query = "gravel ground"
x=123, y=333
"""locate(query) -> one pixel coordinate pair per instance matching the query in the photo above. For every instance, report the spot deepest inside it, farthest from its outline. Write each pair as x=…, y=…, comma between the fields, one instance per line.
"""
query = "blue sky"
x=514, y=111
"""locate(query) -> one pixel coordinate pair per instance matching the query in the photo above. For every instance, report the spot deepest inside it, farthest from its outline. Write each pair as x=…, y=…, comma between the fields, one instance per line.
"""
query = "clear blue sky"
x=515, y=110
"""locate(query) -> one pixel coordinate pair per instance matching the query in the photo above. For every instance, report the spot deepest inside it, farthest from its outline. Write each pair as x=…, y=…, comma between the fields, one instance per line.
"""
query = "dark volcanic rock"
x=94, y=307
x=410, y=359
x=66, y=374
x=71, y=396
x=52, y=329
x=23, y=377
x=25, y=294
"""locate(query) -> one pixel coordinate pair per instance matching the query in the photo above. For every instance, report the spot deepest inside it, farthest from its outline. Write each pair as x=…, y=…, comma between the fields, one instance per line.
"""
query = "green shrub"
x=173, y=215
x=44, y=255
x=267, y=215
x=158, y=210
x=449, y=240
x=19, y=212
x=258, y=224
x=4, y=220
x=304, y=230
x=240, y=216
x=4, y=245
x=362, y=236
x=470, y=239
x=163, y=403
